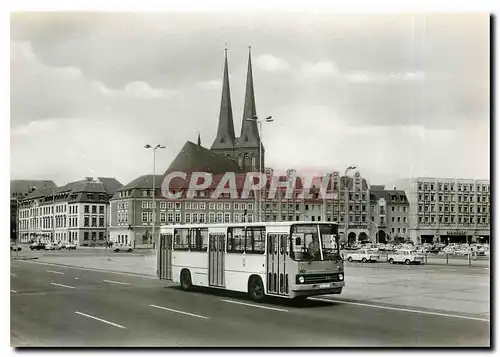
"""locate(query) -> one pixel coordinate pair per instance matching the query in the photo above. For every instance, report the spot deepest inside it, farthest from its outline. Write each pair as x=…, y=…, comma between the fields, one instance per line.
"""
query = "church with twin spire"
x=244, y=150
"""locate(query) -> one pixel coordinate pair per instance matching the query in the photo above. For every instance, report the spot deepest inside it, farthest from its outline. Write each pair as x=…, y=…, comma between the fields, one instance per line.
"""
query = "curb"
x=23, y=258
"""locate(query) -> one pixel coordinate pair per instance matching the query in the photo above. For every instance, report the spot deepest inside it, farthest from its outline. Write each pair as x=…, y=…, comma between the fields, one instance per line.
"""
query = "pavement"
x=64, y=306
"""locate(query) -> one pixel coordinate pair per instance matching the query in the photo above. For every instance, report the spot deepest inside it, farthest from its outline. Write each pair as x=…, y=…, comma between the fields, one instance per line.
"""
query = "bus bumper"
x=317, y=289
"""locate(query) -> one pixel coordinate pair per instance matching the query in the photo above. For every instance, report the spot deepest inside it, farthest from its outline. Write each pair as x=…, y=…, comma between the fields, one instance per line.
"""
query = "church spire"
x=225, y=133
x=249, y=131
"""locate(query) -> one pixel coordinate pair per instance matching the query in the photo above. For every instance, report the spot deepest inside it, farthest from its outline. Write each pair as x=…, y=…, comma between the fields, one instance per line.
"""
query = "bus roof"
x=244, y=224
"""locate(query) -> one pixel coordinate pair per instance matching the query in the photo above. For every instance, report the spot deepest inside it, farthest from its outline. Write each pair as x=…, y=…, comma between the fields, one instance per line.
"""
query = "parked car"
x=71, y=246
x=15, y=247
x=363, y=255
x=37, y=246
x=50, y=246
x=58, y=246
x=122, y=247
x=405, y=256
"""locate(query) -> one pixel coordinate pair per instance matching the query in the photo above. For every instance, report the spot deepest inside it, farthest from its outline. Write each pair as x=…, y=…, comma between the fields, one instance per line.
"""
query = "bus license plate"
x=323, y=286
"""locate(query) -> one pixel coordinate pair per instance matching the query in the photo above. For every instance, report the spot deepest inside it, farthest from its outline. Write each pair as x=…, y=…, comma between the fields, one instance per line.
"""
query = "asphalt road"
x=60, y=306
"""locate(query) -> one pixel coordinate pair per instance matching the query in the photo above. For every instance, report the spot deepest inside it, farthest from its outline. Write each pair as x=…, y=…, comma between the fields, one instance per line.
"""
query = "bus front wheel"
x=255, y=288
x=186, y=280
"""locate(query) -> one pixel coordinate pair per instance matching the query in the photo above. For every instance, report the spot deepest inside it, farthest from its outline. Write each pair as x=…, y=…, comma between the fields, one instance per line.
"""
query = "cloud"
x=143, y=90
x=270, y=63
x=366, y=77
x=319, y=69
x=213, y=85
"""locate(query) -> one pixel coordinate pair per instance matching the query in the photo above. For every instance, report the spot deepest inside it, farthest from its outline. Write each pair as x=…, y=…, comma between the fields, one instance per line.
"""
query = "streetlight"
x=154, y=148
x=256, y=119
x=346, y=191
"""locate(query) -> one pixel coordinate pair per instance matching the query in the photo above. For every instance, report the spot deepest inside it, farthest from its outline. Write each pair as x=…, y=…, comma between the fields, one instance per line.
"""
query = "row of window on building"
x=451, y=220
x=227, y=217
x=452, y=198
x=399, y=219
x=93, y=220
x=451, y=187
x=73, y=236
x=398, y=230
x=461, y=209
x=48, y=210
x=60, y=222
x=241, y=206
x=398, y=208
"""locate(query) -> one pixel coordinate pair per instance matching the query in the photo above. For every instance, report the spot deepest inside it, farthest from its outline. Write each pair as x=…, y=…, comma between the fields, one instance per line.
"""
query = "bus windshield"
x=308, y=245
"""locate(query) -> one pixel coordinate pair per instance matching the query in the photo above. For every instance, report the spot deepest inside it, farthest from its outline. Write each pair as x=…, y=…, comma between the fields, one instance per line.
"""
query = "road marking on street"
x=404, y=310
x=13, y=274
x=64, y=286
x=13, y=291
x=179, y=312
x=98, y=319
x=261, y=307
x=96, y=270
x=116, y=282
x=54, y=272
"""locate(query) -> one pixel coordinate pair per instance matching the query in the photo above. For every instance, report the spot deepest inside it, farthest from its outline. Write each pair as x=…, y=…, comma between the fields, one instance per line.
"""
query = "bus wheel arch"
x=185, y=279
x=256, y=288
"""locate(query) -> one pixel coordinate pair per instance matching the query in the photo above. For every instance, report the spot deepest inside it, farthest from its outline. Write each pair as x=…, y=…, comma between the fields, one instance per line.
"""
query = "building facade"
x=19, y=189
x=389, y=214
x=448, y=210
x=74, y=213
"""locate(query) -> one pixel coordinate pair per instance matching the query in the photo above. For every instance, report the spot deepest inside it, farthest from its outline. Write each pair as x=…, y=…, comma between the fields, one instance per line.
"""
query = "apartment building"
x=448, y=210
x=19, y=189
x=74, y=213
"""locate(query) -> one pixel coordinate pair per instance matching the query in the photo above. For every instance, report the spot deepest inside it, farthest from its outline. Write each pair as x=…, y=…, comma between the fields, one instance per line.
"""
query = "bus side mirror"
x=297, y=241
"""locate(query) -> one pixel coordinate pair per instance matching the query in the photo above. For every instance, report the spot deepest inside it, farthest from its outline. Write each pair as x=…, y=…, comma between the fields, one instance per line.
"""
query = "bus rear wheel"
x=256, y=288
x=186, y=284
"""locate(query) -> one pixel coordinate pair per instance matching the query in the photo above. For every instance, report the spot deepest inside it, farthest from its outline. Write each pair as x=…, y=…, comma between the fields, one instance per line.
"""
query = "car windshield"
x=310, y=244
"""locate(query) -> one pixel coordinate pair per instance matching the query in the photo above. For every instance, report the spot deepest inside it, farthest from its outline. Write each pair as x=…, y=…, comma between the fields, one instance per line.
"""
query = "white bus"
x=285, y=259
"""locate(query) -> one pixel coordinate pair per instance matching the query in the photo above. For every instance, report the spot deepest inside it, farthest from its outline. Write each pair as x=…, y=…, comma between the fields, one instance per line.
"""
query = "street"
x=63, y=306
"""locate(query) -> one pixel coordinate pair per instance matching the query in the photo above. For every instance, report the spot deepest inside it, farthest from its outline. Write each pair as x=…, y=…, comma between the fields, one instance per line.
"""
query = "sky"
x=396, y=95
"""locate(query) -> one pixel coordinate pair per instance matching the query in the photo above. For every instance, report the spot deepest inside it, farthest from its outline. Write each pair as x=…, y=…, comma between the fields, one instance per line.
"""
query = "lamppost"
x=346, y=192
x=256, y=119
x=154, y=148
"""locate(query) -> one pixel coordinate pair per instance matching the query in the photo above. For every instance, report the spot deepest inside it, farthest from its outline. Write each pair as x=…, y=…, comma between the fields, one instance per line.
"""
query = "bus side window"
x=236, y=240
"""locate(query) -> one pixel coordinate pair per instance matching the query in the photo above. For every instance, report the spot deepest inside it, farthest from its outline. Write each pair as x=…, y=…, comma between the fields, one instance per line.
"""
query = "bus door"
x=216, y=254
x=277, y=252
x=165, y=257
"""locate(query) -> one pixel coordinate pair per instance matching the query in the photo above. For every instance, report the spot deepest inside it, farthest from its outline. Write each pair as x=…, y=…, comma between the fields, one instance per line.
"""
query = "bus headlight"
x=341, y=276
x=301, y=279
